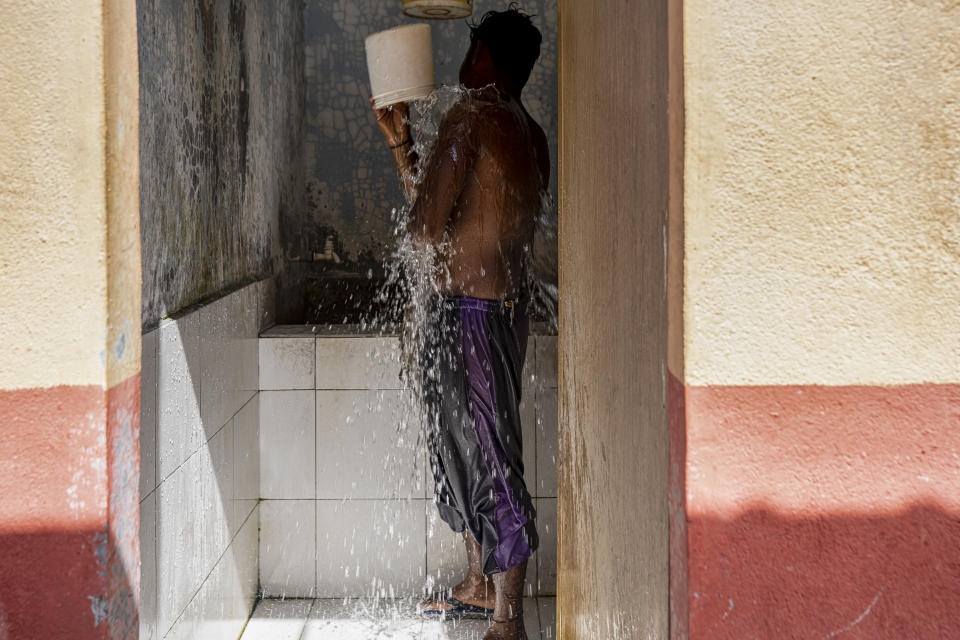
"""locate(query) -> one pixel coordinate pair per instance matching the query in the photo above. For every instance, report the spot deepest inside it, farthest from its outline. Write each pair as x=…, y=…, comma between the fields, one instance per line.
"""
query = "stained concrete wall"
x=221, y=100
x=69, y=271
x=822, y=318
x=351, y=183
x=614, y=153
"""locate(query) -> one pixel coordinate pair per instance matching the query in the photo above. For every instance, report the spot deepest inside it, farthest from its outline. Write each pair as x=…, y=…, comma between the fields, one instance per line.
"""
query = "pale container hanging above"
x=400, y=62
x=438, y=9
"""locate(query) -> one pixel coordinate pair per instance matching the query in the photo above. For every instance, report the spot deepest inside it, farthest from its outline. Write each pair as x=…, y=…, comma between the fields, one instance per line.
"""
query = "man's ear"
x=477, y=51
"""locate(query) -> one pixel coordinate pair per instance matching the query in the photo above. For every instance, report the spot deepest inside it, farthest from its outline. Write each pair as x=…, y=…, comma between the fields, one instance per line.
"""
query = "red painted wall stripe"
x=69, y=521
x=822, y=512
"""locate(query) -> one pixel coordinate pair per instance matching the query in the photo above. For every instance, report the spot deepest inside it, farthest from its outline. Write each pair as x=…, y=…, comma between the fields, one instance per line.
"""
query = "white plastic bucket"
x=438, y=9
x=400, y=62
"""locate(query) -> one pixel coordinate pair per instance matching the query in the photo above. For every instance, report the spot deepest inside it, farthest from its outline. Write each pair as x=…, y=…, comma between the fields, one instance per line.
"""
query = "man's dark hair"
x=513, y=41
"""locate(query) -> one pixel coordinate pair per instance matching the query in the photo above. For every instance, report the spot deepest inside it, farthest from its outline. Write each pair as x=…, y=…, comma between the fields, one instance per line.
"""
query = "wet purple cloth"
x=473, y=367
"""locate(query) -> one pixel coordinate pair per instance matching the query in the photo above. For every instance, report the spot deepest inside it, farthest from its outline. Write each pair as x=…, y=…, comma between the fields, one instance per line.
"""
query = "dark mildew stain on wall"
x=221, y=120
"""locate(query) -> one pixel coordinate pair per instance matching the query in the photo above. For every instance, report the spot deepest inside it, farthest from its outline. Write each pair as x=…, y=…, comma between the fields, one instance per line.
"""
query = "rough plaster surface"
x=613, y=553
x=69, y=383
x=121, y=91
x=823, y=511
x=52, y=195
x=221, y=100
x=822, y=211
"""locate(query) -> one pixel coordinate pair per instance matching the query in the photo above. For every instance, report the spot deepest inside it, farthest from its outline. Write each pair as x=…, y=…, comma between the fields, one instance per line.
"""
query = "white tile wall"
x=359, y=464
x=547, y=360
x=148, y=567
x=370, y=547
x=288, y=547
x=358, y=363
x=200, y=469
x=528, y=421
x=287, y=363
x=148, y=413
x=547, y=607
x=446, y=555
x=246, y=458
x=216, y=460
x=180, y=531
x=546, y=555
x=288, y=444
x=228, y=356
x=547, y=443
x=179, y=430
x=361, y=452
x=219, y=610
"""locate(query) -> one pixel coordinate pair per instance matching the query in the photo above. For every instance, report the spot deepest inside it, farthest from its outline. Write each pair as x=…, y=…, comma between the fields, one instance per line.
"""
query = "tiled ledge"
x=358, y=330
x=334, y=330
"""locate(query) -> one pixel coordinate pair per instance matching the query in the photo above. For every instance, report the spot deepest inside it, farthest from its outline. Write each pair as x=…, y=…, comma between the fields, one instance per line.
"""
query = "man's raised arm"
x=447, y=167
x=445, y=174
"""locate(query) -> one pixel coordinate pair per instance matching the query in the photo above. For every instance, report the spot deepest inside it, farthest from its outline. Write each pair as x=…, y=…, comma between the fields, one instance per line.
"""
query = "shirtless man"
x=477, y=203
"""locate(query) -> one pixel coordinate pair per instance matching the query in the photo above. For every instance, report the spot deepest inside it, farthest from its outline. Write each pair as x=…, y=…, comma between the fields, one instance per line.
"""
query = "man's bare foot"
x=513, y=630
x=476, y=591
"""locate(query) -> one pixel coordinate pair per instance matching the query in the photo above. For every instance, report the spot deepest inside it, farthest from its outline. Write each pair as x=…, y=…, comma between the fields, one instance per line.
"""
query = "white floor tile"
x=455, y=629
x=288, y=548
x=475, y=629
x=371, y=619
x=547, y=443
x=148, y=412
x=357, y=363
x=287, y=363
x=336, y=619
x=361, y=451
x=370, y=548
x=546, y=555
x=179, y=430
x=287, y=444
x=148, y=568
x=278, y=620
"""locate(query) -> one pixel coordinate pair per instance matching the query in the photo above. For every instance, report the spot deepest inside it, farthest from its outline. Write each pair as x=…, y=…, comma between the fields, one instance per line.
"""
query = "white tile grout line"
x=209, y=573
x=313, y=603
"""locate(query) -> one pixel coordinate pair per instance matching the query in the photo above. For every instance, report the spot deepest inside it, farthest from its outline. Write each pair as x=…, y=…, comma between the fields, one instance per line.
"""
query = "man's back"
x=491, y=224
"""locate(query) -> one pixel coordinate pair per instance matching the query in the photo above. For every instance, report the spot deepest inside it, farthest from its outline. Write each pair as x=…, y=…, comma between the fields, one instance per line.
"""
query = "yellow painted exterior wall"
x=822, y=192
x=55, y=194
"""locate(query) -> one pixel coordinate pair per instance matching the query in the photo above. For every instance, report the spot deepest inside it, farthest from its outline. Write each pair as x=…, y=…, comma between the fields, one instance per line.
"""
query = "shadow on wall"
x=71, y=463
x=41, y=559
x=200, y=467
x=766, y=575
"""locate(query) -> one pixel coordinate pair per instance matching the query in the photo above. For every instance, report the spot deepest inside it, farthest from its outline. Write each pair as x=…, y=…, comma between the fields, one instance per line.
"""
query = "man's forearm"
x=406, y=160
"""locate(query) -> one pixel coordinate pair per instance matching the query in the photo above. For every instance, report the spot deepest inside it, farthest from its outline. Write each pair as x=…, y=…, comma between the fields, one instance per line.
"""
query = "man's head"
x=503, y=43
